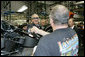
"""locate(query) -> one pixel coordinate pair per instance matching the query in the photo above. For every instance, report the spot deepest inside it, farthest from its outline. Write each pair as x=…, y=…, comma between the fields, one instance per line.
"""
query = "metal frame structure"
x=6, y=6
x=35, y=7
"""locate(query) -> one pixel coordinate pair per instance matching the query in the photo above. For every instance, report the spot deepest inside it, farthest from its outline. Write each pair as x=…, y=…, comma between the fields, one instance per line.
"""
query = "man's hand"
x=41, y=32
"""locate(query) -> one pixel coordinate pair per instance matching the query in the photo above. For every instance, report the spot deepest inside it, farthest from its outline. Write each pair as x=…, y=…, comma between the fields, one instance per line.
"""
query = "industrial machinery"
x=13, y=40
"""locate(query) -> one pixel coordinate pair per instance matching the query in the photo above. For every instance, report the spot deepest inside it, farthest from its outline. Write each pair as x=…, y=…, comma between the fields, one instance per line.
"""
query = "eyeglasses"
x=35, y=18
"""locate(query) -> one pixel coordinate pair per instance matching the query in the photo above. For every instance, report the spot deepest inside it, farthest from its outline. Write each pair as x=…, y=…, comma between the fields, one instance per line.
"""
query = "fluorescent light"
x=23, y=8
x=80, y=2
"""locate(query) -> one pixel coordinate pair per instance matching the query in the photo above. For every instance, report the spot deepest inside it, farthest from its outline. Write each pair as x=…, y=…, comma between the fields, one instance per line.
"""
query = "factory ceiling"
x=34, y=6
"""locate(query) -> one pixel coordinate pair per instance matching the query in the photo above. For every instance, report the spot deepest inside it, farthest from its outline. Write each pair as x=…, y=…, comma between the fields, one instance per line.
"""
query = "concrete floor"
x=25, y=52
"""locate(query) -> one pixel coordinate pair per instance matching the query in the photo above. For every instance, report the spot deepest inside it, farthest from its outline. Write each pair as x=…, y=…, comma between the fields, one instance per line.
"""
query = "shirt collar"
x=72, y=27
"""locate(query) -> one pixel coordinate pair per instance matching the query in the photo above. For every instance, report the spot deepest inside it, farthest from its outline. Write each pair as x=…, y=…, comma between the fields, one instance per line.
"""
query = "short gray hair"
x=59, y=14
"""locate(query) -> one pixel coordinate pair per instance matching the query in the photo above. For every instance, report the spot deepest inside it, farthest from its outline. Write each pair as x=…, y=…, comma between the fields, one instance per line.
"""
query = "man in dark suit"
x=71, y=25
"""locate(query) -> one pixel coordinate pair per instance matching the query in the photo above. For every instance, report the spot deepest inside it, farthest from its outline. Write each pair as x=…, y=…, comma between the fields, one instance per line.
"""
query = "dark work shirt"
x=61, y=42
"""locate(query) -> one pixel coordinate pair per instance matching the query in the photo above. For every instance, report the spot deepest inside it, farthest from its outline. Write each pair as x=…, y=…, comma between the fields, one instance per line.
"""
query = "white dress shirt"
x=72, y=27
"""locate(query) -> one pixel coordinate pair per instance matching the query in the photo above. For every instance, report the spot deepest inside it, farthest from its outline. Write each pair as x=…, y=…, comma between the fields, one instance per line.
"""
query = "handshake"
x=39, y=31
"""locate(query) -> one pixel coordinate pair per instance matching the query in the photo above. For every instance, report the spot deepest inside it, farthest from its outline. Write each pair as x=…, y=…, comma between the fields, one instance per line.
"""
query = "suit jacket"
x=78, y=31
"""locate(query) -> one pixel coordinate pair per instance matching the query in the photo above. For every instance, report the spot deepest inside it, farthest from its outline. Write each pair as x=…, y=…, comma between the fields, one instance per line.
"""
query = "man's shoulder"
x=53, y=34
x=57, y=34
x=46, y=38
x=49, y=37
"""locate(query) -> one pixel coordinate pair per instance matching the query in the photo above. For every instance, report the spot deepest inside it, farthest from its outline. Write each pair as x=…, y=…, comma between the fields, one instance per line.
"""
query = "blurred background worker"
x=24, y=27
x=63, y=41
x=43, y=24
x=72, y=26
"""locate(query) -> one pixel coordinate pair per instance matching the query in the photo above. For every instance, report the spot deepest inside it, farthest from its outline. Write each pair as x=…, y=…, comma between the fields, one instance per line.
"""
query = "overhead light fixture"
x=23, y=8
x=80, y=2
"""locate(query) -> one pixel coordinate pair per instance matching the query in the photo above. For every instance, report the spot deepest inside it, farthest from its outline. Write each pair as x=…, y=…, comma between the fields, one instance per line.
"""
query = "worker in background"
x=43, y=24
x=24, y=27
x=63, y=41
x=71, y=14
